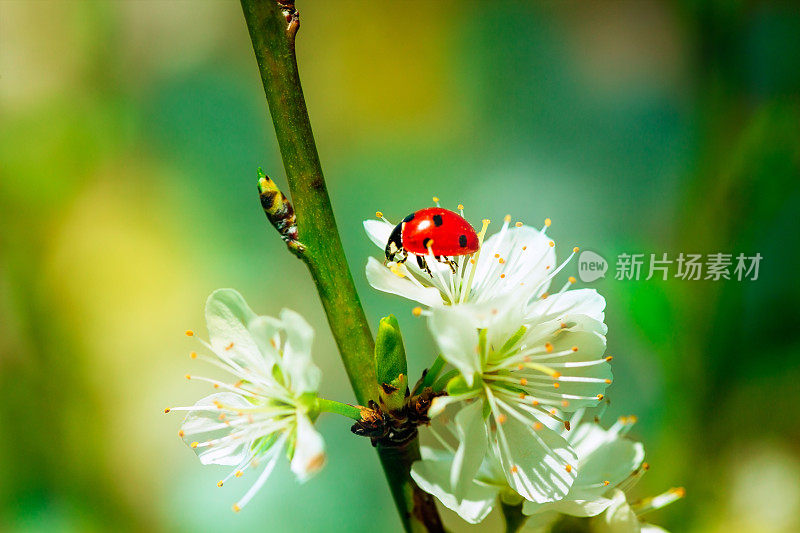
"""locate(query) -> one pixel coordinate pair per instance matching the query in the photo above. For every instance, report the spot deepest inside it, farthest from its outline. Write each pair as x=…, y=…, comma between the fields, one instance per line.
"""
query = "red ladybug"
x=446, y=233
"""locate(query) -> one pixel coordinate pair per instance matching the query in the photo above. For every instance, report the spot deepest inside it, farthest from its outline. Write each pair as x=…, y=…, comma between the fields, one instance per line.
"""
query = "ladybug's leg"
x=424, y=265
x=449, y=262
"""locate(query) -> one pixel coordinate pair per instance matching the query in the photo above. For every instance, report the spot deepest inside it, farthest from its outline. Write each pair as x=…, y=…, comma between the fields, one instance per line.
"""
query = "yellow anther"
x=417, y=311
x=379, y=214
x=228, y=347
x=219, y=483
x=535, y=403
x=568, y=468
x=556, y=385
x=216, y=385
x=507, y=218
x=496, y=256
x=238, y=473
x=181, y=433
x=236, y=508
x=547, y=222
x=600, y=396
x=435, y=198
x=537, y=426
x=574, y=348
x=501, y=260
x=194, y=444
x=166, y=409
x=575, y=249
x=188, y=376
x=633, y=419
x=680, y=492
x=501, y=418
x=548, y=347
x=514, y=469
x=502, y=276
x=608, y=381
x=486, y=221
x=518, y=224
x=609, y=358
x=606, y=483
x=544, y=296
x=523, y=381
x=551, y=244
x=193, y=355
x=556, y=374
x=522, y=395
x=646, y=466
x=572, y=279
x=189, y=333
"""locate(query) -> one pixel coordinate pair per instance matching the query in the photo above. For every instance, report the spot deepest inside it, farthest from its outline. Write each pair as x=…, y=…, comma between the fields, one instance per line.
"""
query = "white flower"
x=606, y=460
x=518, y=262
x=271, y=405
x=519, y=377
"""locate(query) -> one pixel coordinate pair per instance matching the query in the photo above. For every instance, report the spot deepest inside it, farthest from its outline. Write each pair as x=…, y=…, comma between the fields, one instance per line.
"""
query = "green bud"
x=390, y=364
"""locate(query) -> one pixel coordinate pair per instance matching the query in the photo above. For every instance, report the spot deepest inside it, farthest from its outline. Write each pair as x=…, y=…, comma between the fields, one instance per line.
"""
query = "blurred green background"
x=129, y=137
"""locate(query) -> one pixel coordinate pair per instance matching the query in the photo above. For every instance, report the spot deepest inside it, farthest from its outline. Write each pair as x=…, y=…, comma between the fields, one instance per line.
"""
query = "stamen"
x=436, y=201
x=166, y=410
x=228, y=347
x=194, y=444
x=181, y=433
x=193, y=355
x=518, y=224
x=378, y=214
x=189, y=333
x=236, y=508
x=568, y=468
x=219, y=483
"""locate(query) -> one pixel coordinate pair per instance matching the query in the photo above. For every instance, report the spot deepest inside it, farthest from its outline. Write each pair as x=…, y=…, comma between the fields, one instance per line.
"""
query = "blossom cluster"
x=528, y=361
x=521, y=365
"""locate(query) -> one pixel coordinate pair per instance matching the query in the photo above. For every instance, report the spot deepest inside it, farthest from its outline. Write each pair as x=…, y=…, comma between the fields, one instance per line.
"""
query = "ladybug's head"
x=394, y=247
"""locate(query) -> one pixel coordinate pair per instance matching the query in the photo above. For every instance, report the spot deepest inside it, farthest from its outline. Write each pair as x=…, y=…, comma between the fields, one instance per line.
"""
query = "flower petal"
x=378, y=232
x=305, y=376
x=456, y=335
x=472, y=444
x=619, y=517
x=383, y=279
x=572, y=302
x=309, y=451
x=527, y=261
x=538, y=463
x=432, y=474
x=228, y=316
x=613, y=462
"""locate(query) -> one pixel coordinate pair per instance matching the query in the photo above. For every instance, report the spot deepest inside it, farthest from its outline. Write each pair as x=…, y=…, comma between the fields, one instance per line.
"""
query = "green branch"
x=273, y=25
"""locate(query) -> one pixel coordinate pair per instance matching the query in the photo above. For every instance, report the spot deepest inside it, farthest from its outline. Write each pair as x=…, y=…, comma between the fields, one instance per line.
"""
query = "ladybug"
x=446, y=233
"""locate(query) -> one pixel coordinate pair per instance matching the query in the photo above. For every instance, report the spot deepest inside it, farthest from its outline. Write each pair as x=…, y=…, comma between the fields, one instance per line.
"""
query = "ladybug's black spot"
x=437, y=220
x=409, y=218
x=426, y=241
x=462, y=241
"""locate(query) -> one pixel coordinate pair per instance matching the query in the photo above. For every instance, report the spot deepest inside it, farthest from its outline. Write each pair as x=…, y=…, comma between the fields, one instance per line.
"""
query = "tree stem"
x=273, y=25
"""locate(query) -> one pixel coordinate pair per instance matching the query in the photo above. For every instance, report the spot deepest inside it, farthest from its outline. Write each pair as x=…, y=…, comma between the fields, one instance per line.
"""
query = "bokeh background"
x=129, y=137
